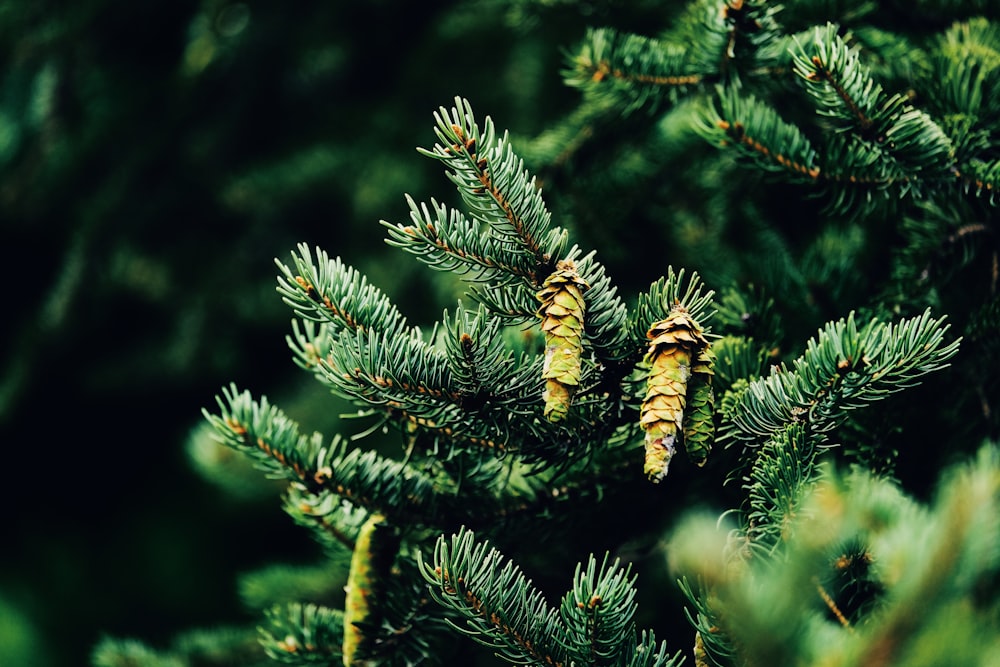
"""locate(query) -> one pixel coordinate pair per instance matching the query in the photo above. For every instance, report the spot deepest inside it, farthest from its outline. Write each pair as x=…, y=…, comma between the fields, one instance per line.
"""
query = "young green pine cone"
x=674, y=342
x=374, y=550
x=699, y=428
x=562, y=312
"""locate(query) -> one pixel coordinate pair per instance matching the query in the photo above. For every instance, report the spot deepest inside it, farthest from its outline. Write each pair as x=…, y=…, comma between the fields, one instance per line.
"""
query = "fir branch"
x=397, y=375
x=809, y=12
x=504, y=611
x=938, y=241
x=981, y=178
x=266, y=434
x=470, y=391
x=960, y=549
x=845, y=91
x=778, y=479
x=302, y=634
x=606, y=316
x=747, y=310
x=501, y=608
x=496, y=187
x=447, y=439
x=748, y=28
x=843, y=368
x=757, y=132
x=598, y=613
x=333, y=522
x=325, y=290
x=482, y=368
x=558, y=144
x=494, y=387
x=381, y=369
x=929, y=606
x=282, y=583
x=636, y=70
x=446, y=240
x=649, y=653
x=378, y=484
x=842, y=87
x=310, y=343
x=110, y=652
x=366, y=479
x=429, y=495
x=715, y=645
x=977, y=37
x=515, y=303
x=862, y=175
x=964, y=75
x=737, y=358
x=663, y=297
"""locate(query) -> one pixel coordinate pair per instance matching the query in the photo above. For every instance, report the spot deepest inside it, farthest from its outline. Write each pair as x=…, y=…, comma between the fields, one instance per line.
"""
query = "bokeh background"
x=155, y=158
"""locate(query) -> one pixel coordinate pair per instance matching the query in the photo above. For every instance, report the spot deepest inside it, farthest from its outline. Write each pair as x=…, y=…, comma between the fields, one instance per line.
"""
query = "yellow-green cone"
x=562, y=313
x=362, y=582
x=676, y=350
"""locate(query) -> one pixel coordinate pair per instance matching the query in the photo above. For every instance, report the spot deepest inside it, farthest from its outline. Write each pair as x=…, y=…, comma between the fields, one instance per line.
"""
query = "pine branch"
x=325, y=290
x=504, y=611
x=843, y=368
x=501, y=608
x=266, y=434
x=845, y=92
x=446, y=240
x=756, y=131
x=663, y=296
x=631, y=70
x=598, y=612
x=496, y=187
x=303, y=634
x=781, y=472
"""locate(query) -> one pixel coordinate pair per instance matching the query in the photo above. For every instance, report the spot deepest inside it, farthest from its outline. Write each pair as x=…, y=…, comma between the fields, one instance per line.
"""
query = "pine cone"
x=562, y=312
x=699, y=427
x=674, y=342
x=356, y=608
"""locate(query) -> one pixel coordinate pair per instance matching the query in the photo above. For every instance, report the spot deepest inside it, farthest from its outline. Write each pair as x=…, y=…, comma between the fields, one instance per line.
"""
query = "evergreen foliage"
x=512, y=416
